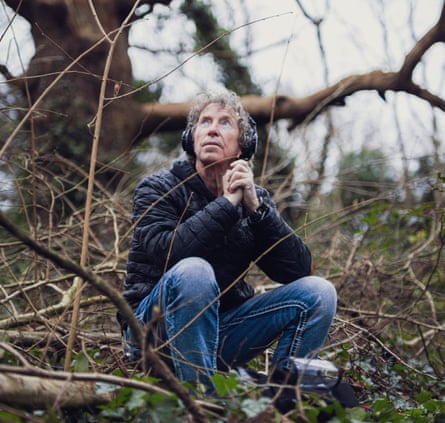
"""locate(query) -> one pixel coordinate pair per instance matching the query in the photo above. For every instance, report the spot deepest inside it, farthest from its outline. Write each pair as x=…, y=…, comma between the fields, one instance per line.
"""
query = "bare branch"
x=118, y=300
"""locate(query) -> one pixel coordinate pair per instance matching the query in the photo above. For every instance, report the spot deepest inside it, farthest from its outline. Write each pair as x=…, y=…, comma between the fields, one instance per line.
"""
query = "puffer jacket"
x=176, y=216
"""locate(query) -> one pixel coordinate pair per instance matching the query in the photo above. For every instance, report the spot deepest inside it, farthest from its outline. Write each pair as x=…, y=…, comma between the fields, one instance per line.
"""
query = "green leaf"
x=357, y=414
x=431, y=405
x=252, y=408
x=224, y=385
x=137, y=400
x=423, y=396
x=8, y=417
x=104, y=387
x=80, y=363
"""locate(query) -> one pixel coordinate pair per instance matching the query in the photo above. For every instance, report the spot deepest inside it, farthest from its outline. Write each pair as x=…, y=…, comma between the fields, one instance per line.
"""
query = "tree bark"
x=33, y=392
x=64, y=30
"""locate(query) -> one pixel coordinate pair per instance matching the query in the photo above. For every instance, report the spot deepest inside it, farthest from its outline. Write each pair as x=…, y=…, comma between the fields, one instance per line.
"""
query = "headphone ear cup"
x=251, y=141
x=187, y=141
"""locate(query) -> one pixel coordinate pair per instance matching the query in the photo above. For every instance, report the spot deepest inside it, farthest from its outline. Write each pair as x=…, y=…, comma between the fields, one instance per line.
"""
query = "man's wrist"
x=259, y=212
x=234, y=198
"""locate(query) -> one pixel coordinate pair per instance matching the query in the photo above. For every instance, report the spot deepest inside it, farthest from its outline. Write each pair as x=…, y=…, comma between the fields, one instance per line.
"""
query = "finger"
x=240, y=165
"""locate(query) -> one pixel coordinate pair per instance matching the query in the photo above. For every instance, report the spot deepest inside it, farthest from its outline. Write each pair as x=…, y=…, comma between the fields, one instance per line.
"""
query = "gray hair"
x=224, y=98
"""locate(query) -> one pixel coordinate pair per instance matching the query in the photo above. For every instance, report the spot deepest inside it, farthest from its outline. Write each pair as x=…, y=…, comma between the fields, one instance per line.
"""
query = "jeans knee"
x=318, y=294
x=326, y=292
x=326, y=288
x=195, y=277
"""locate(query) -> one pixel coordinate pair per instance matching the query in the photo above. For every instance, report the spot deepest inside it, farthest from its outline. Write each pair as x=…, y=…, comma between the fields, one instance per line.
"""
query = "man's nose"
x=213, y=128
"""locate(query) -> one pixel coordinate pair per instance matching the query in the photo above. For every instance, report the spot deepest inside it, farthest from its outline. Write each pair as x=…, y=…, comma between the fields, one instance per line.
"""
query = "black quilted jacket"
x=176, y=216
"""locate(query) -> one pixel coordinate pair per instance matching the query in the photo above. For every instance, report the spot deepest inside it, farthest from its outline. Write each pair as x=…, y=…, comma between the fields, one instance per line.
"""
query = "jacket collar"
x=185, y=169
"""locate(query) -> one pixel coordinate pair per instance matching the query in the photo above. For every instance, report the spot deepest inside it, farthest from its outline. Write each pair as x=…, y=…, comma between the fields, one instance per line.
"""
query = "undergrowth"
x=388, y=336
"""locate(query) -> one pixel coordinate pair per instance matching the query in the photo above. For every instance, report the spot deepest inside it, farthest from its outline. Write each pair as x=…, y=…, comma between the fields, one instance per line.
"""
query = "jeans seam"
x=176, y=359
x=238, y=320
x=297, y=339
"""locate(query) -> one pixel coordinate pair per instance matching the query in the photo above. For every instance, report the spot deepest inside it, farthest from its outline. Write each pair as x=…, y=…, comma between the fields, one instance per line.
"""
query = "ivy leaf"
x=80, y=363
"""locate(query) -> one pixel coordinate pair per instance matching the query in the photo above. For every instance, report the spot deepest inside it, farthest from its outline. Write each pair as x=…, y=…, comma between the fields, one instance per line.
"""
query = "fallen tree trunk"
x=32, y=392
x=33, y=388
x=25, y=338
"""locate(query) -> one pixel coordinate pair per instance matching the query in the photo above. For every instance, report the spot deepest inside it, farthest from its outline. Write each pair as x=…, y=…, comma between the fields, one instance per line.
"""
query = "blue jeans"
x=200, y=339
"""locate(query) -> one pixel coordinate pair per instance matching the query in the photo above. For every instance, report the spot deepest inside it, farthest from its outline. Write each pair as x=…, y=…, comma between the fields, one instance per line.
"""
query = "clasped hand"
x=239, y=186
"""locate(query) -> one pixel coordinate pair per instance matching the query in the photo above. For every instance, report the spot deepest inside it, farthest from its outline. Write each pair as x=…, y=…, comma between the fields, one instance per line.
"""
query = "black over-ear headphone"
x=248, y=146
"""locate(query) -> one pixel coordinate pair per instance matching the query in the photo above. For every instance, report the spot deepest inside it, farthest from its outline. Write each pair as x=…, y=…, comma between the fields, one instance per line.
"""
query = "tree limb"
x=166, y=117
x=52, y=310
x=44, y=338
x=160, y=368
x=115, y=296
x=34, y=392
x=33, y=387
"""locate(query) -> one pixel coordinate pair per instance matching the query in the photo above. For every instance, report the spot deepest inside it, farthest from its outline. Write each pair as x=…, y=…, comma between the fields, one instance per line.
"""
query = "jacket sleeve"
x=282, y=254
x=162, y=231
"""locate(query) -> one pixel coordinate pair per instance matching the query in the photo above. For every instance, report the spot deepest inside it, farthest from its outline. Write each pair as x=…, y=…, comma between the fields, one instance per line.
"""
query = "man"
x=198, y=228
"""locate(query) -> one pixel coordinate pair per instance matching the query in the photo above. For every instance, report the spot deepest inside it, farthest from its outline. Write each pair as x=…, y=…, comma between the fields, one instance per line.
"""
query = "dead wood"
x=33, y=392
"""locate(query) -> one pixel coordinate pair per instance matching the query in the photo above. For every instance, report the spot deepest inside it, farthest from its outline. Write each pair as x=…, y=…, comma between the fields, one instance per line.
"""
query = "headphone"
x=248, y=146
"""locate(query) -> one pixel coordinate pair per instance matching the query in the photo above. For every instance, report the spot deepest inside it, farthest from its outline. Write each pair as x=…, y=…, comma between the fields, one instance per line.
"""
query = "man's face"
x=216, y=136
